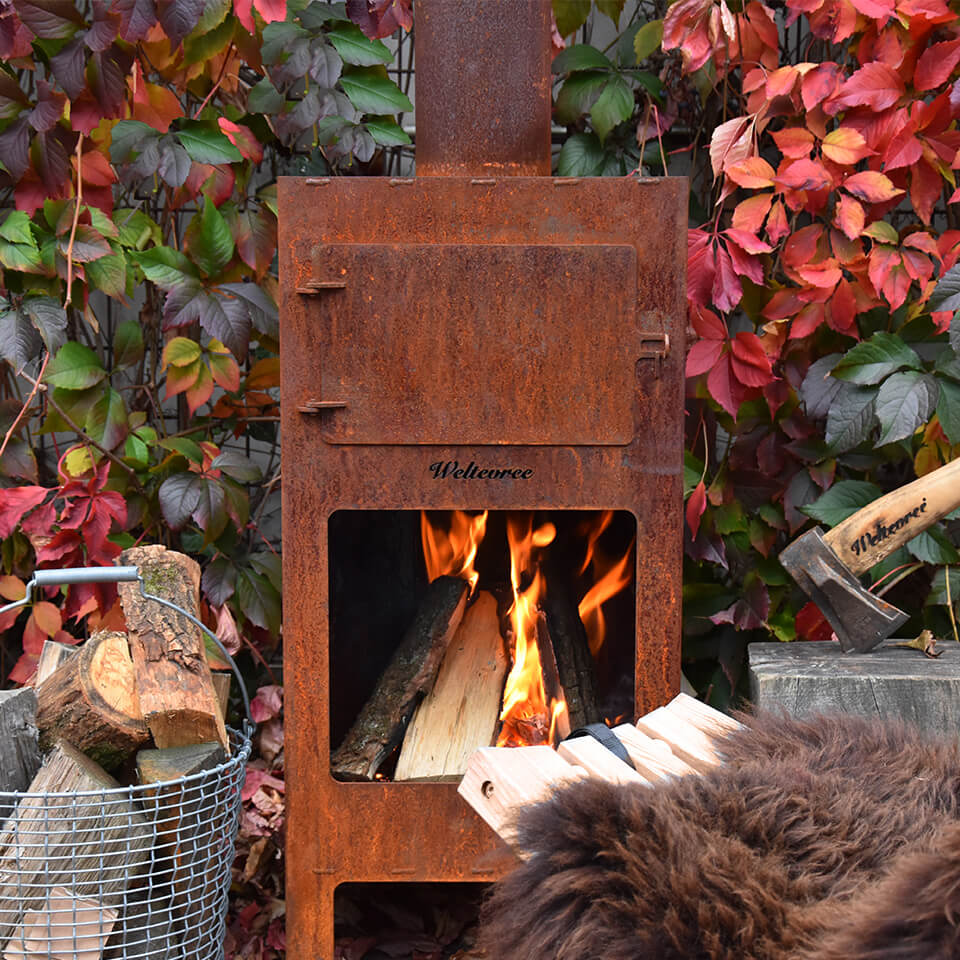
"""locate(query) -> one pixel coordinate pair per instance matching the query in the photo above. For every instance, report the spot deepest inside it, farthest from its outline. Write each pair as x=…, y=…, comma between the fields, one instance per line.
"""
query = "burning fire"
x=453, y=551
x=532, y=713
x=612, y=577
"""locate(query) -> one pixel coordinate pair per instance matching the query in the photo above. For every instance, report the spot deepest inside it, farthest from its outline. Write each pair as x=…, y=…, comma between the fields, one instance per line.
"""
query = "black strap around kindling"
x=601, y=732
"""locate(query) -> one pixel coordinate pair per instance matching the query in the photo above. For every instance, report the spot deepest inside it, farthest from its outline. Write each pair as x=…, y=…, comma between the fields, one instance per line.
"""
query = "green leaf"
x=219, y=580
x=946, y=294
x=215, y=248
x=851, y=417
x=269, y=565
x=354, y=47
x=648, y=39
x=948, y=410
x=236, y=465
x=692, y=472
x=581, y=56
x=259, y=600
x=570, y=15
x=947, y=364
x=185, y=447
x=136, y=451
x=206, y=145
x=938, y=589
x=75, y=367
x=387, y=132
x=905, y=402
x=371, y=92
x=580, y=156
x=955, y=333
x=135, y=229
x=933, y=546
x=874, y=359
x=181, y=352
x=842, y=500
x=16, y=229
x=882, y=232
x=165, y=266
x=612, y=107
x=129, y=136
x=265, y=98
x=612, y=8
x=108, y=274
x=578, y=94
x=320, y=12
x=127, y=344
x=21, y=257
x=49, y=320
x=107, y=420
x=19, y=340
x=179, y=495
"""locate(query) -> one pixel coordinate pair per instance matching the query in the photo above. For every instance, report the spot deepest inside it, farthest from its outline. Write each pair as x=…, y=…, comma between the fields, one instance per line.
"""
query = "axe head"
x=859, y=619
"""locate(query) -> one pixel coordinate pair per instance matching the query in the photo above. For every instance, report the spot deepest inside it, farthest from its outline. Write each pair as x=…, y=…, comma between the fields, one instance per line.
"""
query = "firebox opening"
x=514, y=626
x=407, y=919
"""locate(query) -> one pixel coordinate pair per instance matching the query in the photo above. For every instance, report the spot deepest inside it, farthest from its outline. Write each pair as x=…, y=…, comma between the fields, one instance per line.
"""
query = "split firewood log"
x=52, y=654
x=462, y=710
x=173, y=679
x=410, y=674
x=91, y=701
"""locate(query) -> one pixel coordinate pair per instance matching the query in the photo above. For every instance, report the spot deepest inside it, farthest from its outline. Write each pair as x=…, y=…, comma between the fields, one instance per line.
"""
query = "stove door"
x=476, y=343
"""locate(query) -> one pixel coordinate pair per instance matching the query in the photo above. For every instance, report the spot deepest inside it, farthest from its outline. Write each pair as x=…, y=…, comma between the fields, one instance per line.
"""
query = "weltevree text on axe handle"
x=879, y=528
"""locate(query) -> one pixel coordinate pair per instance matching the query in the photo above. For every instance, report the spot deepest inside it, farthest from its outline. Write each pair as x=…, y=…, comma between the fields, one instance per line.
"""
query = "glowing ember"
x=453, y=551
x=611, y=579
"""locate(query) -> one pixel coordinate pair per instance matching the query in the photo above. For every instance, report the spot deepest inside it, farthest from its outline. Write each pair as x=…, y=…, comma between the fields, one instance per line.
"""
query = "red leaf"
x=154, y=105
x=24, y=668
x=878, y=10
x=724, y=387
x=242, y=137
x=749, y=214
x=708, y=325
x=807, y=321
x=874, y=85
x=727, y=289
x=749, y=361
x=842, y=314
x=747, y=241
x=752, y=173
x=935, y=65
x=926, y=186
x=825, y=273
x=695, y=507
x=702, y=356
x=850, y=217
x=804, y=175
x=777, y=225
x=904, y=149
x=801, y=248
x=15, y=502
x=845, y=145
x=811, y=623
x=701, y=268
x=730, y=142
x=794, y=142
x=780, y=82
x=820, y=84
x=871, y=186
x=744, y=264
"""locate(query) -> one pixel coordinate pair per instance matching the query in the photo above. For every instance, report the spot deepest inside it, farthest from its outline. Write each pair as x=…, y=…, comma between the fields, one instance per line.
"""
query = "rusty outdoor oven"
x=517, y=322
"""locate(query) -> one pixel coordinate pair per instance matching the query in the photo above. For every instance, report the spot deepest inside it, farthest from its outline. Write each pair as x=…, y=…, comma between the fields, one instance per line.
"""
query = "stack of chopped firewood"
x=122, y=709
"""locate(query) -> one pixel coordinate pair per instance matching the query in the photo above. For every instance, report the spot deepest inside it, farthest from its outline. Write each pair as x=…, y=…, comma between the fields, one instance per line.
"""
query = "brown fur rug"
x=836, y=838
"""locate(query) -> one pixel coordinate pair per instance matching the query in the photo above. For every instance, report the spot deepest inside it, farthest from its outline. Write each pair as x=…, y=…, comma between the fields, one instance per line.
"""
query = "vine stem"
x=73, y=227
x=953, y=619
x=26, y=404
x=219, y=80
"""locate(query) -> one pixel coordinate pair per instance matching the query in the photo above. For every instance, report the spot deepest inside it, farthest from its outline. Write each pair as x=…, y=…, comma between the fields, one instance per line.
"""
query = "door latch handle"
x=321, y=406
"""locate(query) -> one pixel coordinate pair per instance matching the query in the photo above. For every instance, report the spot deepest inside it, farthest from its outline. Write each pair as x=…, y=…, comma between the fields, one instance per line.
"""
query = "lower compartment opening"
x=407, y=921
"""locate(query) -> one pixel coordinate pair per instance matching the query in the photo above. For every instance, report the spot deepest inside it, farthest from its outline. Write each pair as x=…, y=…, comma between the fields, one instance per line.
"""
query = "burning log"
x=172, y=675
x=461, y=712
x=574, y=661
x=90, y=701
x=410, y=674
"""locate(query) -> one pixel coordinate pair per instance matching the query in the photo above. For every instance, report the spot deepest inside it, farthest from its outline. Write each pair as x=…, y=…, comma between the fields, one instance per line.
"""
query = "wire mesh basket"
x=121, y=873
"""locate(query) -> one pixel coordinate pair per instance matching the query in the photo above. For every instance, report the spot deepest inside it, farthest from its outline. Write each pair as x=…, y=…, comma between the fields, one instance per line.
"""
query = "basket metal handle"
x=74, y=575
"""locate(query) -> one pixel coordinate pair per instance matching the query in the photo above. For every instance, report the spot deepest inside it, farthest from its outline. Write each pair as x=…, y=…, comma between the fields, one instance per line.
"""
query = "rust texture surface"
x=483, y=88
x=341, y=832
x=476, y=343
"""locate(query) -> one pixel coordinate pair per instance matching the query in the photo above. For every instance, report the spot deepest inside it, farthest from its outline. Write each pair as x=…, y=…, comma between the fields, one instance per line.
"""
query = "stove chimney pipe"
x=483, y=88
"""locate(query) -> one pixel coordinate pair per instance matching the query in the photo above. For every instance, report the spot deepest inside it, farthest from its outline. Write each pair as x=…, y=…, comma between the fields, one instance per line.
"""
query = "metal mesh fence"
x=125, y=873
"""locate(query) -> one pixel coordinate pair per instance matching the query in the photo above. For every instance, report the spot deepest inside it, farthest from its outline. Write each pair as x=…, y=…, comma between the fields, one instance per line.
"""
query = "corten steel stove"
x=434, y=330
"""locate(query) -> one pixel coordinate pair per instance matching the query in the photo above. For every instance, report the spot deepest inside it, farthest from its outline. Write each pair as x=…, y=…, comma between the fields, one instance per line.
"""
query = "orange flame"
x=527, y=717
x=453, y=551
x=613, y=577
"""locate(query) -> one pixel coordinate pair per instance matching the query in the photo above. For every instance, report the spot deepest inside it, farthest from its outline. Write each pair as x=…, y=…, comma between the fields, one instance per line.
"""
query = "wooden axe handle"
x=879, y=528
